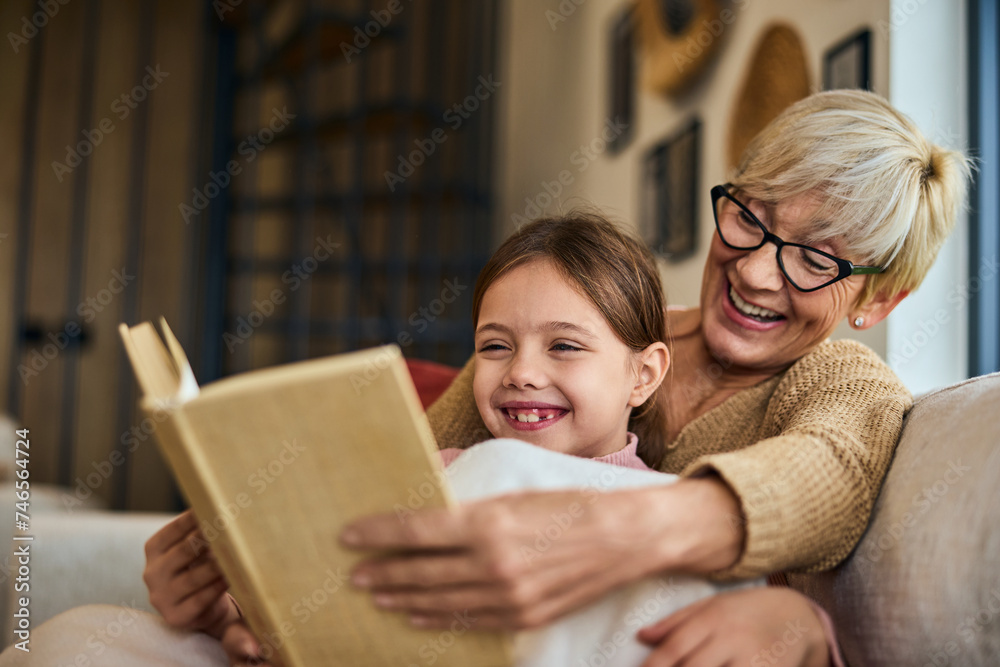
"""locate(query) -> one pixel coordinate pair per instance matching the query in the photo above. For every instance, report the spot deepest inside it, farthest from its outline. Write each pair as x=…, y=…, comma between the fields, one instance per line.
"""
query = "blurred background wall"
x=96, y=221
x=563, y=104
x=284, y=179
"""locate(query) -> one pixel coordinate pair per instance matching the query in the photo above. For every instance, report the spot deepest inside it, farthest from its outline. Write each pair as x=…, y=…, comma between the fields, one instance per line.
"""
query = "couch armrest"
x=86, y=557
x=921, y=587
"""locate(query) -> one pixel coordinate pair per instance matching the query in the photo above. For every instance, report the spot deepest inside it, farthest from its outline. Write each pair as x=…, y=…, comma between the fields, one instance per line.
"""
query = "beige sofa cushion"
x=923, y=586
x=79, y=558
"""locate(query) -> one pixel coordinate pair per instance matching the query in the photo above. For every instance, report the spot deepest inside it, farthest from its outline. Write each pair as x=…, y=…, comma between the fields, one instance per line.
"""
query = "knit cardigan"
x=805, y=453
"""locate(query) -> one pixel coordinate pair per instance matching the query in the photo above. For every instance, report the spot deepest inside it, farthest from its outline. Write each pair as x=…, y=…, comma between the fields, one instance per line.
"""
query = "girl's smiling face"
x=549, y=369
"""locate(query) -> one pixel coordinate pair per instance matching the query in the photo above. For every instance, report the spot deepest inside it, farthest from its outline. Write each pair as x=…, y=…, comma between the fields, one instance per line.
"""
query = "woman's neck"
x=698, y=381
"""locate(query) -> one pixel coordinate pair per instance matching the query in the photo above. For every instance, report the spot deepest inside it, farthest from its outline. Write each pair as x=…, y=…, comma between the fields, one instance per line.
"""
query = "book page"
x=154, y=368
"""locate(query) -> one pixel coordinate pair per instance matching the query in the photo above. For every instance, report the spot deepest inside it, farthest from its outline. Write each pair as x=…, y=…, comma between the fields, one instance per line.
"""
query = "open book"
x=274, y=463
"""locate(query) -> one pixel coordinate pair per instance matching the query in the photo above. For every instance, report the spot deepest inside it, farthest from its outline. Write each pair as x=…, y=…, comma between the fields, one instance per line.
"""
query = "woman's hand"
x=241, y=647
x=522, y=560
x=777, y=627
x=185, y=584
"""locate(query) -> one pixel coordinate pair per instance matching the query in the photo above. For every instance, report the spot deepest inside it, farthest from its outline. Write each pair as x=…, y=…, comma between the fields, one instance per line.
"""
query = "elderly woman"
x=837, y=210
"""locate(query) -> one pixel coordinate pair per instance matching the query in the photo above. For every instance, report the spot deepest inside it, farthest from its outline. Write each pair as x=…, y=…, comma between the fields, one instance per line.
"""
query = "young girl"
x=570, y=345
x=569, y=338
x=569, y=355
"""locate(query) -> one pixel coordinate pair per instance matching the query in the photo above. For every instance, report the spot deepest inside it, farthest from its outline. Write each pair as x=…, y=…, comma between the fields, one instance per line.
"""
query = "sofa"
x=923, y=585
x=921, y=588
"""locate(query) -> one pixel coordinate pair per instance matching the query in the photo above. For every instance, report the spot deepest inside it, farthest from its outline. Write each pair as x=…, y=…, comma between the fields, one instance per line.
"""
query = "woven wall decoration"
x=679, y=38
x=778, y=77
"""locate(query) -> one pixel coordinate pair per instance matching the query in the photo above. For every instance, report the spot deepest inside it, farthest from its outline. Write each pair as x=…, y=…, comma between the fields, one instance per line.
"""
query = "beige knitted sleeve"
x=454, y=417
x=807, y=490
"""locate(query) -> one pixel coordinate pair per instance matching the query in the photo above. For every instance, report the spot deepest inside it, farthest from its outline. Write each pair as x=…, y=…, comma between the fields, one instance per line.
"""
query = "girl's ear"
x=652, y=364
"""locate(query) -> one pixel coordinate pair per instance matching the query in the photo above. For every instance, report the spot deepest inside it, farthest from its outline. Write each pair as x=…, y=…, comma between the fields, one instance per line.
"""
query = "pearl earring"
x=859, y=321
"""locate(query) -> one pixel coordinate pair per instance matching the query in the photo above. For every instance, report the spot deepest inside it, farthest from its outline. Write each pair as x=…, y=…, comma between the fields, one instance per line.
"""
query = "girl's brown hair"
x=617, y=272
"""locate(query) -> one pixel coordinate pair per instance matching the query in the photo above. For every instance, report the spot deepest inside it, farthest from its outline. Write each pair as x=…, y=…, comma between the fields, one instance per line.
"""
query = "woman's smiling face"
x=751, y=315
x=549, y=369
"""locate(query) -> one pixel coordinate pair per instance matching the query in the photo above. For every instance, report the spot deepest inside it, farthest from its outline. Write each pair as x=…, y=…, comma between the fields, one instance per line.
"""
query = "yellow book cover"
x=274, y=463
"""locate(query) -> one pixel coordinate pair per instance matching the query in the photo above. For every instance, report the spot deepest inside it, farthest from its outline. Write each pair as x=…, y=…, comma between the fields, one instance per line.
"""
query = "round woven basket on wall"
x=777, y=78
x=679, y=38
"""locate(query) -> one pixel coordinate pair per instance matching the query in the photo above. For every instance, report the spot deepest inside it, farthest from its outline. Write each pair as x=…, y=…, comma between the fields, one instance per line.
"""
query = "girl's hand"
x=522, y=560
x=185, y=584
x=760, y=626
x=241, y=647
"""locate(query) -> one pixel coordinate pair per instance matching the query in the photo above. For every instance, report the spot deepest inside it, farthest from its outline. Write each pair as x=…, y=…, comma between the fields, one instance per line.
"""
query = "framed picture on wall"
x=621, y=88
x=670, y=193
x=847, y=64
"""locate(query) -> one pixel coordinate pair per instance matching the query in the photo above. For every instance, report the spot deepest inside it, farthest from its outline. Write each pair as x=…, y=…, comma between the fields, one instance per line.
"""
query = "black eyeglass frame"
x=845, y=267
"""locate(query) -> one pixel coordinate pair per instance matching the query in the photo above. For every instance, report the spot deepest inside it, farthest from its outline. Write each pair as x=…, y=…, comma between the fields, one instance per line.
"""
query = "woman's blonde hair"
x=888, y=192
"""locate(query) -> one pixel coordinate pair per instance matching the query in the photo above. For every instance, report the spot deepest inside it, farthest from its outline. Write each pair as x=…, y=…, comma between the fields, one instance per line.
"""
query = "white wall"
x=555, y=100
x=927, y=342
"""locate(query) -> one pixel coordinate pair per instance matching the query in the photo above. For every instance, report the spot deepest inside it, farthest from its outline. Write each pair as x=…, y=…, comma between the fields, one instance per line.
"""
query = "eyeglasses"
x=807, y=269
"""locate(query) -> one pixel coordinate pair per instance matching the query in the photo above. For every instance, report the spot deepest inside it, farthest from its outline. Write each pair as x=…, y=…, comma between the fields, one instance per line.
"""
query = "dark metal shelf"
x=430, y=227
x=464, y=266
x=380, y=119
x=417, y=197
x=291, y=56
